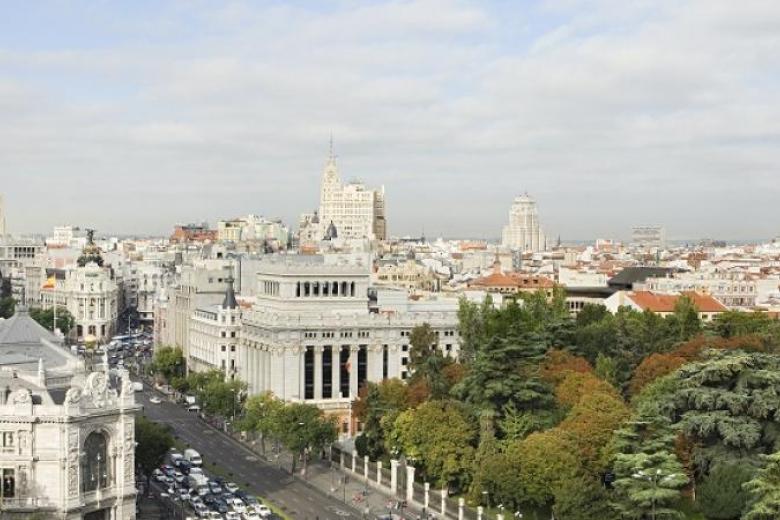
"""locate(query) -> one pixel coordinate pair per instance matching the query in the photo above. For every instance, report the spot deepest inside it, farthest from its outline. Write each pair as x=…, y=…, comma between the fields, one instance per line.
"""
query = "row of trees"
x=603, y=416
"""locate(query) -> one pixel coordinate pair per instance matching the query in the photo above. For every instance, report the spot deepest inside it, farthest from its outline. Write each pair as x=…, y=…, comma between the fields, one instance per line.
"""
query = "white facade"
x=252, y=227
x=310, y=336
x=67, y=437
x=354, y=210
x=648, y=236
x=523, y=231
x=734, y=290
x=90, y=295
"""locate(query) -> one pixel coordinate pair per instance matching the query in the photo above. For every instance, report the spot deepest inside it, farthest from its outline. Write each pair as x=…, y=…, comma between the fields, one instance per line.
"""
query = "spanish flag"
x=50, y=283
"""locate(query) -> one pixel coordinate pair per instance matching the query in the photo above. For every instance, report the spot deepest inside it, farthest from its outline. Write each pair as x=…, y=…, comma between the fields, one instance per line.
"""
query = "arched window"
x=352, y=289
x=95, y=464
x=335, y=290
x=344, y=288
x=305, y=288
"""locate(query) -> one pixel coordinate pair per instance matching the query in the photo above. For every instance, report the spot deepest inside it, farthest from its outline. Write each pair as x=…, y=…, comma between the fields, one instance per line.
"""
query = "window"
x=95, y=465
x=232, y=348
x=224, y=334
x=223, y=348
x=233, y=334
x=405, y=348
x=7, y=439
x=9, y=483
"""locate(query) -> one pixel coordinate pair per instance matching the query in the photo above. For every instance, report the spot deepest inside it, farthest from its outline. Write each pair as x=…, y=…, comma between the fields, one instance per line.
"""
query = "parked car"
x=193, y=457
x=231, y=486
x=262, y=510
x=232, y=515
x=238, y=505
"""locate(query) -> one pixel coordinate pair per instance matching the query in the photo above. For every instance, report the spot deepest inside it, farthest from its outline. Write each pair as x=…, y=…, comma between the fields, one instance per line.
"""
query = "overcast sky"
x=132, y=116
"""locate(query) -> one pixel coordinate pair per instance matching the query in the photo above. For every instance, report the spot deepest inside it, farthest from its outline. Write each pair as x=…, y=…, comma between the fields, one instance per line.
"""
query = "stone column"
x=461, y=505
x=409, y=483
x=379, y=473
x=353, y=371
x=480, y=510
x=393, y=476
x=365, y=467
x=443, y=502
x=427, y=496
x=318, y=372
x=335, y=357
x=354, y=461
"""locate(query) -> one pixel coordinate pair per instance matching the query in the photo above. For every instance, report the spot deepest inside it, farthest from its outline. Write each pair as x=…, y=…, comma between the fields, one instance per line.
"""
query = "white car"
x=232, y=515
x=155, y=400
x=231, y=486
x=238, y=505
x=262, y=510
x=251, y=516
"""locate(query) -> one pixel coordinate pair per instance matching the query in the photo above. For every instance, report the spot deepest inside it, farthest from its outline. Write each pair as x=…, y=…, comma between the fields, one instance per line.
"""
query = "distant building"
x=523, y=231
x=663, y=304
x=513, y=283
x=193, y=233
x=648, y=236
x=253, y=228
x=354, y=210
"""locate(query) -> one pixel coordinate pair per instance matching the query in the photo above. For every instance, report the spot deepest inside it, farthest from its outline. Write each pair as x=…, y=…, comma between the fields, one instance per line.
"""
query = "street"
x=295, y=497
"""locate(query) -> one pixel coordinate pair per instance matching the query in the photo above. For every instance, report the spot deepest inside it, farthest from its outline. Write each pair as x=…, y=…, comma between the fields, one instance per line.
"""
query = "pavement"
x=322, y=495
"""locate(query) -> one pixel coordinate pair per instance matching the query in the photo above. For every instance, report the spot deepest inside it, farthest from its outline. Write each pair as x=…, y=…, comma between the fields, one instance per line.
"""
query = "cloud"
x=611, y=113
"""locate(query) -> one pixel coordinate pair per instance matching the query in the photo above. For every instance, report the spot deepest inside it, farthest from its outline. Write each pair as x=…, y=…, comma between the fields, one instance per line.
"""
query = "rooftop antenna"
x=332, y=155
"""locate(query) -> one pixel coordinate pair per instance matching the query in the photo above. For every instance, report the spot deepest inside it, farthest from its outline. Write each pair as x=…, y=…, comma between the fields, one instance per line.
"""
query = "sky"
x=131, y=116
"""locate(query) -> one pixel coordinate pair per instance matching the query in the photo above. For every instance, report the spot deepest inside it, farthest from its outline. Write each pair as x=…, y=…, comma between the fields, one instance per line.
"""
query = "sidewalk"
x=350, y=488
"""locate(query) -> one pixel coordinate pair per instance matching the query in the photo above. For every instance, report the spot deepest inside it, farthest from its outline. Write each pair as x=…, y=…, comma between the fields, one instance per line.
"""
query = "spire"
x=230, y=295
x=331, y=154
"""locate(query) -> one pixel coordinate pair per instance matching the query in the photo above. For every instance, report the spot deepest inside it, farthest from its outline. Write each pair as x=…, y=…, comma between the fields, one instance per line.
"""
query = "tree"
x=7, y=307
x=582, y=497
x=168, y=362
x=764, y=491
x=439, y=436
x=153, y=442
x=45, y=317
x=506, y=371
x=685, y=321
x=591, y=313
x=653, y=367
x=220, y=397
x=260, y=412
x=427, y=362
x=302, y=428
x=648, y=485
x=721, y=494
x=544, y=461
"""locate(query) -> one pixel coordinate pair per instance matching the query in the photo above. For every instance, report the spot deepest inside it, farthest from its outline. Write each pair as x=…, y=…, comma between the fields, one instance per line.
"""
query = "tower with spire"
x=357, y=212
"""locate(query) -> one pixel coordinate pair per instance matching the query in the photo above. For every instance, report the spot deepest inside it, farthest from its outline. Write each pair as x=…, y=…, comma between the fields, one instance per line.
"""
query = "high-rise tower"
x=523, y=231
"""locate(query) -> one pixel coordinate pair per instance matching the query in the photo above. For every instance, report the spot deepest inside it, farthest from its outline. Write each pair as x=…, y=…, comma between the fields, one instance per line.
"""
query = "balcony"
x=19, y=503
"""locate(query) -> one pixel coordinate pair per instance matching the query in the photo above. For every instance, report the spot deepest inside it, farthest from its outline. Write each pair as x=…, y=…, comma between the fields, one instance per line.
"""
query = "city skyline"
x=609, y=115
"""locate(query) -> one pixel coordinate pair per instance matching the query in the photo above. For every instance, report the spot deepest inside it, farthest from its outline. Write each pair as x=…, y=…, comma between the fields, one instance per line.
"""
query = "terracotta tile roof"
x=656, y=302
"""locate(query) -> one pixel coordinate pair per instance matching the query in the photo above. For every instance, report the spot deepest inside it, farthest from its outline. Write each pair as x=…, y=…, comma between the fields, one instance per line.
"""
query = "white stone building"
x=734, y=290
x=355, y=211
x=214, y=335
x=648, y=236
x=89, y=293
x=523, y=231
x=310, y=336
x=68, y=436
x=252, y=228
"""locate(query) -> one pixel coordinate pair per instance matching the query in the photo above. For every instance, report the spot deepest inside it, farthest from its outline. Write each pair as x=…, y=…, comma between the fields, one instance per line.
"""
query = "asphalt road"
x=299, y=500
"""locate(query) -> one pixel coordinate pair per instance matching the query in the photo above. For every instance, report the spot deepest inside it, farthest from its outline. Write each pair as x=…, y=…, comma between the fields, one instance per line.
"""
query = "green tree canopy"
x=764, y=491
x=439, y=438
x=153, y=442
x=721, y=495
x=168, y=362
x=303, y=427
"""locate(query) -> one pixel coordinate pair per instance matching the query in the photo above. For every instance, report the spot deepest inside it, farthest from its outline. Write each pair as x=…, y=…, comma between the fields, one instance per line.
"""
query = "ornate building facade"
x=523, y=231
x=310, y=336
x=68, y=435
x=355, y=211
